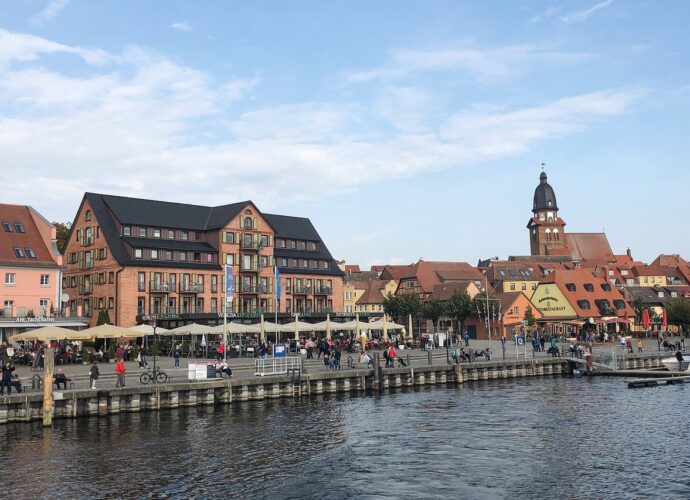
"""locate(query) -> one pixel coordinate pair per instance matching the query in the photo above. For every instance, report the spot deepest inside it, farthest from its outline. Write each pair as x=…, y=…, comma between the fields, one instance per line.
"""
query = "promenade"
x=244, y=367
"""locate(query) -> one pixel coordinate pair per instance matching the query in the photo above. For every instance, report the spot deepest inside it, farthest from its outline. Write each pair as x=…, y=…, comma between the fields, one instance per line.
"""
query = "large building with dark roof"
x=142, y=259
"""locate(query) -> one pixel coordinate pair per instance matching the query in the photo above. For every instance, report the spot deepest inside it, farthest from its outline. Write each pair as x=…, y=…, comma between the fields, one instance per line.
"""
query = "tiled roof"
x=580, y=277
x=30, y=238
x=593, y=247
x=429, y=273
x=444, y=291
x=373, y=293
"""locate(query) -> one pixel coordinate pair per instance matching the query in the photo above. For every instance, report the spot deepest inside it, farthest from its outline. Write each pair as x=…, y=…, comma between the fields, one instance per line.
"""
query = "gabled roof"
x=395, y=272
x=30, y=238
x=286, y=226
x=512, y=271
x=444, y=291
x=429, y=273
x=601, y=291
x=593, y=247
x=373, y=292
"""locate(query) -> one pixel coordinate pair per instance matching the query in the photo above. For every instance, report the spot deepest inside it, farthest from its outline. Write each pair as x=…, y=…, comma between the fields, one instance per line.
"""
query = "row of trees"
x=459, y=307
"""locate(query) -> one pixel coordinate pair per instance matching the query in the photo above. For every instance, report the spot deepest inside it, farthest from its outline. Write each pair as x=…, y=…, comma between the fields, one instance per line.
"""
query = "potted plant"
x=111, y=352
x=86, y=356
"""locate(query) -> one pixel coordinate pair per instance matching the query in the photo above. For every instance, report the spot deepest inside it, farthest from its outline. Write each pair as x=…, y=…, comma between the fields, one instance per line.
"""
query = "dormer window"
x=127, y=230
x=589, y=287
x=18, y=252
x=606, y=287
x=142, y=232
x=570, y=287
x=7, y=227
x=18, y=227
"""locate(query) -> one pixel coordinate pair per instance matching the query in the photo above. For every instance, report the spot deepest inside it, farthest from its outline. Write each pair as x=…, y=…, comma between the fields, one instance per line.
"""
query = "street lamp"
x=155, y=369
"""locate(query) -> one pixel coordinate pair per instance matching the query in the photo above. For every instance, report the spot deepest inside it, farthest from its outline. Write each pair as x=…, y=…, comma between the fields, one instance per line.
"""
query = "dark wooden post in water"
x=48, y=365
x=377, y=371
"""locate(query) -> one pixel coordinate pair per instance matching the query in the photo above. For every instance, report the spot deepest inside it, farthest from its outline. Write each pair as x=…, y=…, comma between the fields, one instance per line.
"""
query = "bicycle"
x=159, y=376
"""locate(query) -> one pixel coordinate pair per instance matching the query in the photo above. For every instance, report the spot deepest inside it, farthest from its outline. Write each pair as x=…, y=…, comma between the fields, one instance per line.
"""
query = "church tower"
x=545, y=227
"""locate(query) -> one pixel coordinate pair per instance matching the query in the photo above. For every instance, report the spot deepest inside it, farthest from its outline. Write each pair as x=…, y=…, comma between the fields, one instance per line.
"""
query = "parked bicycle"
x=149, y=377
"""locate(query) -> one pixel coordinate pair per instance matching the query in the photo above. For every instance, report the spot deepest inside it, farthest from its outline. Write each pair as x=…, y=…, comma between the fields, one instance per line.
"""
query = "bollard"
x=430, y=356
x=48, y=365
x=408, y=359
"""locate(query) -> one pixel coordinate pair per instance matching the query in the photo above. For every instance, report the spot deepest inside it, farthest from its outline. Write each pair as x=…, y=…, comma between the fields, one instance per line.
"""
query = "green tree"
x=461, y=307
x=529, y=317
x=434, y=309
x=391, y=306
x=62, y=231
x=103, y=317
x=410, y=304
x=638, y=307
x=678, y=311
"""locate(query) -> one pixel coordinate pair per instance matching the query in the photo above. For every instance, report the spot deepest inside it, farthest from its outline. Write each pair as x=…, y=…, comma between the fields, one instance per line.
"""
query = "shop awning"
x=26, y=324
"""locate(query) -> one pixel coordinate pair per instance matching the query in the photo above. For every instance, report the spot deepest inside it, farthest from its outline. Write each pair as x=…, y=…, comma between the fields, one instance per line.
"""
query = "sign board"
x=279, y=351
x=519, y=340
x=200, y=371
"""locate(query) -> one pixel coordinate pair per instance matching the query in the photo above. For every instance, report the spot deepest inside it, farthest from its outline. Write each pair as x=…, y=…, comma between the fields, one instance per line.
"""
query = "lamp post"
x=155, y=368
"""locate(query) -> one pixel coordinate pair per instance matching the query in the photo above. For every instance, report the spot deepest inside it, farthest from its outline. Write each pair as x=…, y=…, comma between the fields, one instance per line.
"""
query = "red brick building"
x=139, y=258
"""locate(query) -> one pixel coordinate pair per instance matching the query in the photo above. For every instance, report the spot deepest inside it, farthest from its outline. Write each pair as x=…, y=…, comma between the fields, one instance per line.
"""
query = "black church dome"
x=544, y=197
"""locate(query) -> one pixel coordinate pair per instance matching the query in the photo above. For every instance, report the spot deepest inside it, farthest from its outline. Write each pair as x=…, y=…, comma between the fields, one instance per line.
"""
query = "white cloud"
x=49, y=12
x=481, y=64
x=583, y=15
x=143, y=125
x=25, y=47
x=181, y=26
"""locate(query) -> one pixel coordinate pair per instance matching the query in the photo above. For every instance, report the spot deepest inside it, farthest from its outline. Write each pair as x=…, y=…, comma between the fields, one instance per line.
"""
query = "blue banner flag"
x=229, y=284
x=277, y=284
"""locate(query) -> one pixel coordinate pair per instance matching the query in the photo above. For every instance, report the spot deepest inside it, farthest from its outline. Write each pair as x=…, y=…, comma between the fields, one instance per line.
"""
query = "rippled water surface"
x=541, y=438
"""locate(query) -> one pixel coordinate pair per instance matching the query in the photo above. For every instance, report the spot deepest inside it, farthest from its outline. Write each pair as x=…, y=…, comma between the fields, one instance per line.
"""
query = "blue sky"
x=402, y=129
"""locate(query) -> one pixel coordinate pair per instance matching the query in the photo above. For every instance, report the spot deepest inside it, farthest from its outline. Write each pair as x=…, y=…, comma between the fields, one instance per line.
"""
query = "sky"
x=402, y=129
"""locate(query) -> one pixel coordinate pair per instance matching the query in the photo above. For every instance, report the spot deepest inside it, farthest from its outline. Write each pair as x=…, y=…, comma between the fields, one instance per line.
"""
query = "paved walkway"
x=244, y=367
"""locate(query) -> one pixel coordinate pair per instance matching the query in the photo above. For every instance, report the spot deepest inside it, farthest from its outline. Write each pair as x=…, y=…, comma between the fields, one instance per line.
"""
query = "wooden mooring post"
x=48, y=366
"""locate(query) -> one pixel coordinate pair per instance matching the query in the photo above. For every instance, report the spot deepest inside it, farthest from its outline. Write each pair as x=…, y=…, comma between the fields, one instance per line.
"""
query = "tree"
x=62, y=231
x=678, y=311
x=638, y=307
x=433, y=309
x=461, y=307
x=410, y=304
x=103, y=317
x=391, y=306
x=529, y=317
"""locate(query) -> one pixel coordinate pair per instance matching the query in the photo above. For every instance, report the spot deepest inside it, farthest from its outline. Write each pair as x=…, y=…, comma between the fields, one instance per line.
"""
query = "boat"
x=672, y=364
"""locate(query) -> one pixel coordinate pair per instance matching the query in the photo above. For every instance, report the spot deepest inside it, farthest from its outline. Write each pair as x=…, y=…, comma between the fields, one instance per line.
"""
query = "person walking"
x=221, y=351
x=336, y=358
x=391, y=355
x=93, y=374
x=120, y=372
x=639, y=345
x=142, y=358
x=177, y=355
x=467, y=339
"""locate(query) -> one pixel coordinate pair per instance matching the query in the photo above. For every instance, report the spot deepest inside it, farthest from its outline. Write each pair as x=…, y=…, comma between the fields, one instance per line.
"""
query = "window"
x=325, y=264
x=154, y=254
x=247, y=212
x=293, y=244
x=141, y=282
x=512, y=286
x=156, y=233
x=87, y=216
x=283, y=262
x=127, y=230
x=197, y=257
x=534, y=286
x=624, y=272
x=88, y=236
x=619, y=304
x=523, y=286
x=589, y=287
x=7, y=227
x=409, y=284
x=9, y=278
x=584, y=304
x=102, y=253
x=45, y=279
x=111, y=277
x=171, y=234
x=18, y=252
x=137, y=253
x=302, y=245
x=570, y=287
x=183, y=256
x=100, y=303
x=660, y=294
x=168, y=255
x=264, y=240
x=229, y=259
x=312, y=246
x=229, y=237
x=142, y=232
x=73, y=281
x=247, y=223
x=606, y=287
x=18, y=227
x=111, y=302
x=184, y=235
x=282, y=243
x=98, y=231
x=610, y=272
x=305, y=264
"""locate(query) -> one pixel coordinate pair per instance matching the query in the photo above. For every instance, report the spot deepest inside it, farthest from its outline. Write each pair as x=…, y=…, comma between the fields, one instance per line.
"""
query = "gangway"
x=276, y=366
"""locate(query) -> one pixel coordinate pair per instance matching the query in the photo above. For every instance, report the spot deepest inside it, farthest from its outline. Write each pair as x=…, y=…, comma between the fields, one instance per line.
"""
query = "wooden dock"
x=654, y=382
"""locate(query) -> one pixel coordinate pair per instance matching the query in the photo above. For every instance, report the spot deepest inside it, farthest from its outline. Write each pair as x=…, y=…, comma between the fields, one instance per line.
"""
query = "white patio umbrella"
x=193, y=329
x=48, y=333
x=147, y=329
x=111, y=332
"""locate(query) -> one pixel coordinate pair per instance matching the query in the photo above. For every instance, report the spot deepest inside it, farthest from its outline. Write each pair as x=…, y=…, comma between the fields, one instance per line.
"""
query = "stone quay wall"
x=103, y=402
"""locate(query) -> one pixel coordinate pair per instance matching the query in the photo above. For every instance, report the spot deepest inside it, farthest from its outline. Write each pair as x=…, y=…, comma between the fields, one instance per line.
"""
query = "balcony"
x=253, y=289
x=162, y=287
x=251, y=245
x=323, y=290
x=190, y=288
x=301, y=290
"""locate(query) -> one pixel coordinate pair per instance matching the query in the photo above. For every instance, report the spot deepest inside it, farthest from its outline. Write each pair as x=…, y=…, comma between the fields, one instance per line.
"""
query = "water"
x=541, y=438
